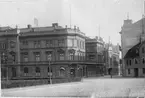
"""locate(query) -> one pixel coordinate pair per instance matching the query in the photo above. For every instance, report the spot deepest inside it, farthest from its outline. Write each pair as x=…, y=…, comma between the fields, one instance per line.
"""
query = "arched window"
x=62, y=72
x=26, y=71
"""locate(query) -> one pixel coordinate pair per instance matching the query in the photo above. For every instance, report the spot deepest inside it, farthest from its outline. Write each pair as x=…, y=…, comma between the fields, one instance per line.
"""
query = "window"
x=61, y=42
x=2, y=45
x=70, y=42
x=13, y=72
x=135, y=60
x=61, y=56
x=49, y=70
x=143, y=60
x=143, y=50
x=37, y=56
x=128, y=71
x=25, y=42
x=62, y=72
x=37, y=70
x=26, y=57
x=71, y=56
x=12, y=44
x=78, y=43
x=26, y=71
x=49, y=56
x=49, y=43
x=126, y=62
x=129, y=62
x=143, y=70
x=37, y=44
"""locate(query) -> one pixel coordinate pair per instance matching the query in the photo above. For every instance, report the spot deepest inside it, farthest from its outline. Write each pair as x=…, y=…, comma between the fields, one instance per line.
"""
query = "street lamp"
x=49, y=59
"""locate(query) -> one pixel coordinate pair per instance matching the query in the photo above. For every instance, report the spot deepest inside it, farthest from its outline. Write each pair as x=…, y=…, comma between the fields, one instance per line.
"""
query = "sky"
x=88, y=15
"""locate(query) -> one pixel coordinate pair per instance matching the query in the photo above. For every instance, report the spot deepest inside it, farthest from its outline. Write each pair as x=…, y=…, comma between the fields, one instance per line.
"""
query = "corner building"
x=62, y=48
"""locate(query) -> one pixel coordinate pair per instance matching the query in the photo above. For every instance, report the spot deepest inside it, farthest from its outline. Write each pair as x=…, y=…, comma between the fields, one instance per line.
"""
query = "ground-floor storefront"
x=135, y=72
x=46, y=71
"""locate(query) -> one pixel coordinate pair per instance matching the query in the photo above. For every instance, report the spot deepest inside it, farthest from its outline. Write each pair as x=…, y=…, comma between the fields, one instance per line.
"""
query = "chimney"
x=55, y=25
x=74, y=27
x=29, y=26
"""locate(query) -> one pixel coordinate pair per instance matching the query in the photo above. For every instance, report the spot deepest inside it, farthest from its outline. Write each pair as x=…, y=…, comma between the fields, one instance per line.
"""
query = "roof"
x=5, y=28
x=134, y=51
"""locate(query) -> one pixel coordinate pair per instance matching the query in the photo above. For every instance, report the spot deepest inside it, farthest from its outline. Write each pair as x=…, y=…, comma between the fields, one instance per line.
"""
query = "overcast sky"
x=86, y=14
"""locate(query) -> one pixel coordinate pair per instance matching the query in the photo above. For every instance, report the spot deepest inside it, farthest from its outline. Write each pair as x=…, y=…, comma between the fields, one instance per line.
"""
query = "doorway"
x=136, y=72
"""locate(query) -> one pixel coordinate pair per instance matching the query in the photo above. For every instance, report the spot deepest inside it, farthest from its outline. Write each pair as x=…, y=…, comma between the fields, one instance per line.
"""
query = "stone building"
x=135, y=61
x=9, y=52
x=131, y=33
x=94, y=53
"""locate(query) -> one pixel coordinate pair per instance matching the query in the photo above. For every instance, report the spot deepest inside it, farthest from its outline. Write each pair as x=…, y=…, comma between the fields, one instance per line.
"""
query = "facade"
x=131, y=34
x=94, y=53
x=62, y=48
x=112, y=57
x=135, y=61
x=9, y=52
x=47, y=52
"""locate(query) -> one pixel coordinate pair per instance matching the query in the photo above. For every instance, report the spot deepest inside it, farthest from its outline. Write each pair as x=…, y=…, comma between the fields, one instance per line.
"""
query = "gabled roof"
x=134, y=51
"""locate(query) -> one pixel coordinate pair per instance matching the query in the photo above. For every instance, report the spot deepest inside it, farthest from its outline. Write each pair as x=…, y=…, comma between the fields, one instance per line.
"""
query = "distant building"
x=131, y=34
x=94, y=53
x=111, y=54
x=135, y=60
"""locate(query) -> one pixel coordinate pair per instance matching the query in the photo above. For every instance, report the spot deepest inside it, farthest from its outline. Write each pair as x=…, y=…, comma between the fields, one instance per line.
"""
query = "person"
x=110, y=72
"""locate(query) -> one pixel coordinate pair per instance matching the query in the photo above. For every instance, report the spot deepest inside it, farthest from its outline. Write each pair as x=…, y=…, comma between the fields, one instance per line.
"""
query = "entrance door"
x=136, y=72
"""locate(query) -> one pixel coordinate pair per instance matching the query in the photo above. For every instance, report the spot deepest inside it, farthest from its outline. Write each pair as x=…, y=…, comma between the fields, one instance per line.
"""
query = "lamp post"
x=49, y=59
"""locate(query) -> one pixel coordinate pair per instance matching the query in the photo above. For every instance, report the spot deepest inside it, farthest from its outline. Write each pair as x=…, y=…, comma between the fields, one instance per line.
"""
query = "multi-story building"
x=131, y=34
x=62, y=48
x=135, y=60
x=94, y=53
x=41, y=52
x=9, y=52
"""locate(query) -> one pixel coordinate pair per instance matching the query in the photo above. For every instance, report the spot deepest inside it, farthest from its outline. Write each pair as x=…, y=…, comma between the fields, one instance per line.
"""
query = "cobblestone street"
x=90, y=87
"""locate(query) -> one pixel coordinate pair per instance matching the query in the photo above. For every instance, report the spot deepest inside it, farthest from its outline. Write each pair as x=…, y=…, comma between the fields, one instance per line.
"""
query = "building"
x=9, y=52
x=135, y=61
x=131, y=34
x=111, y=54
x=94, y=53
